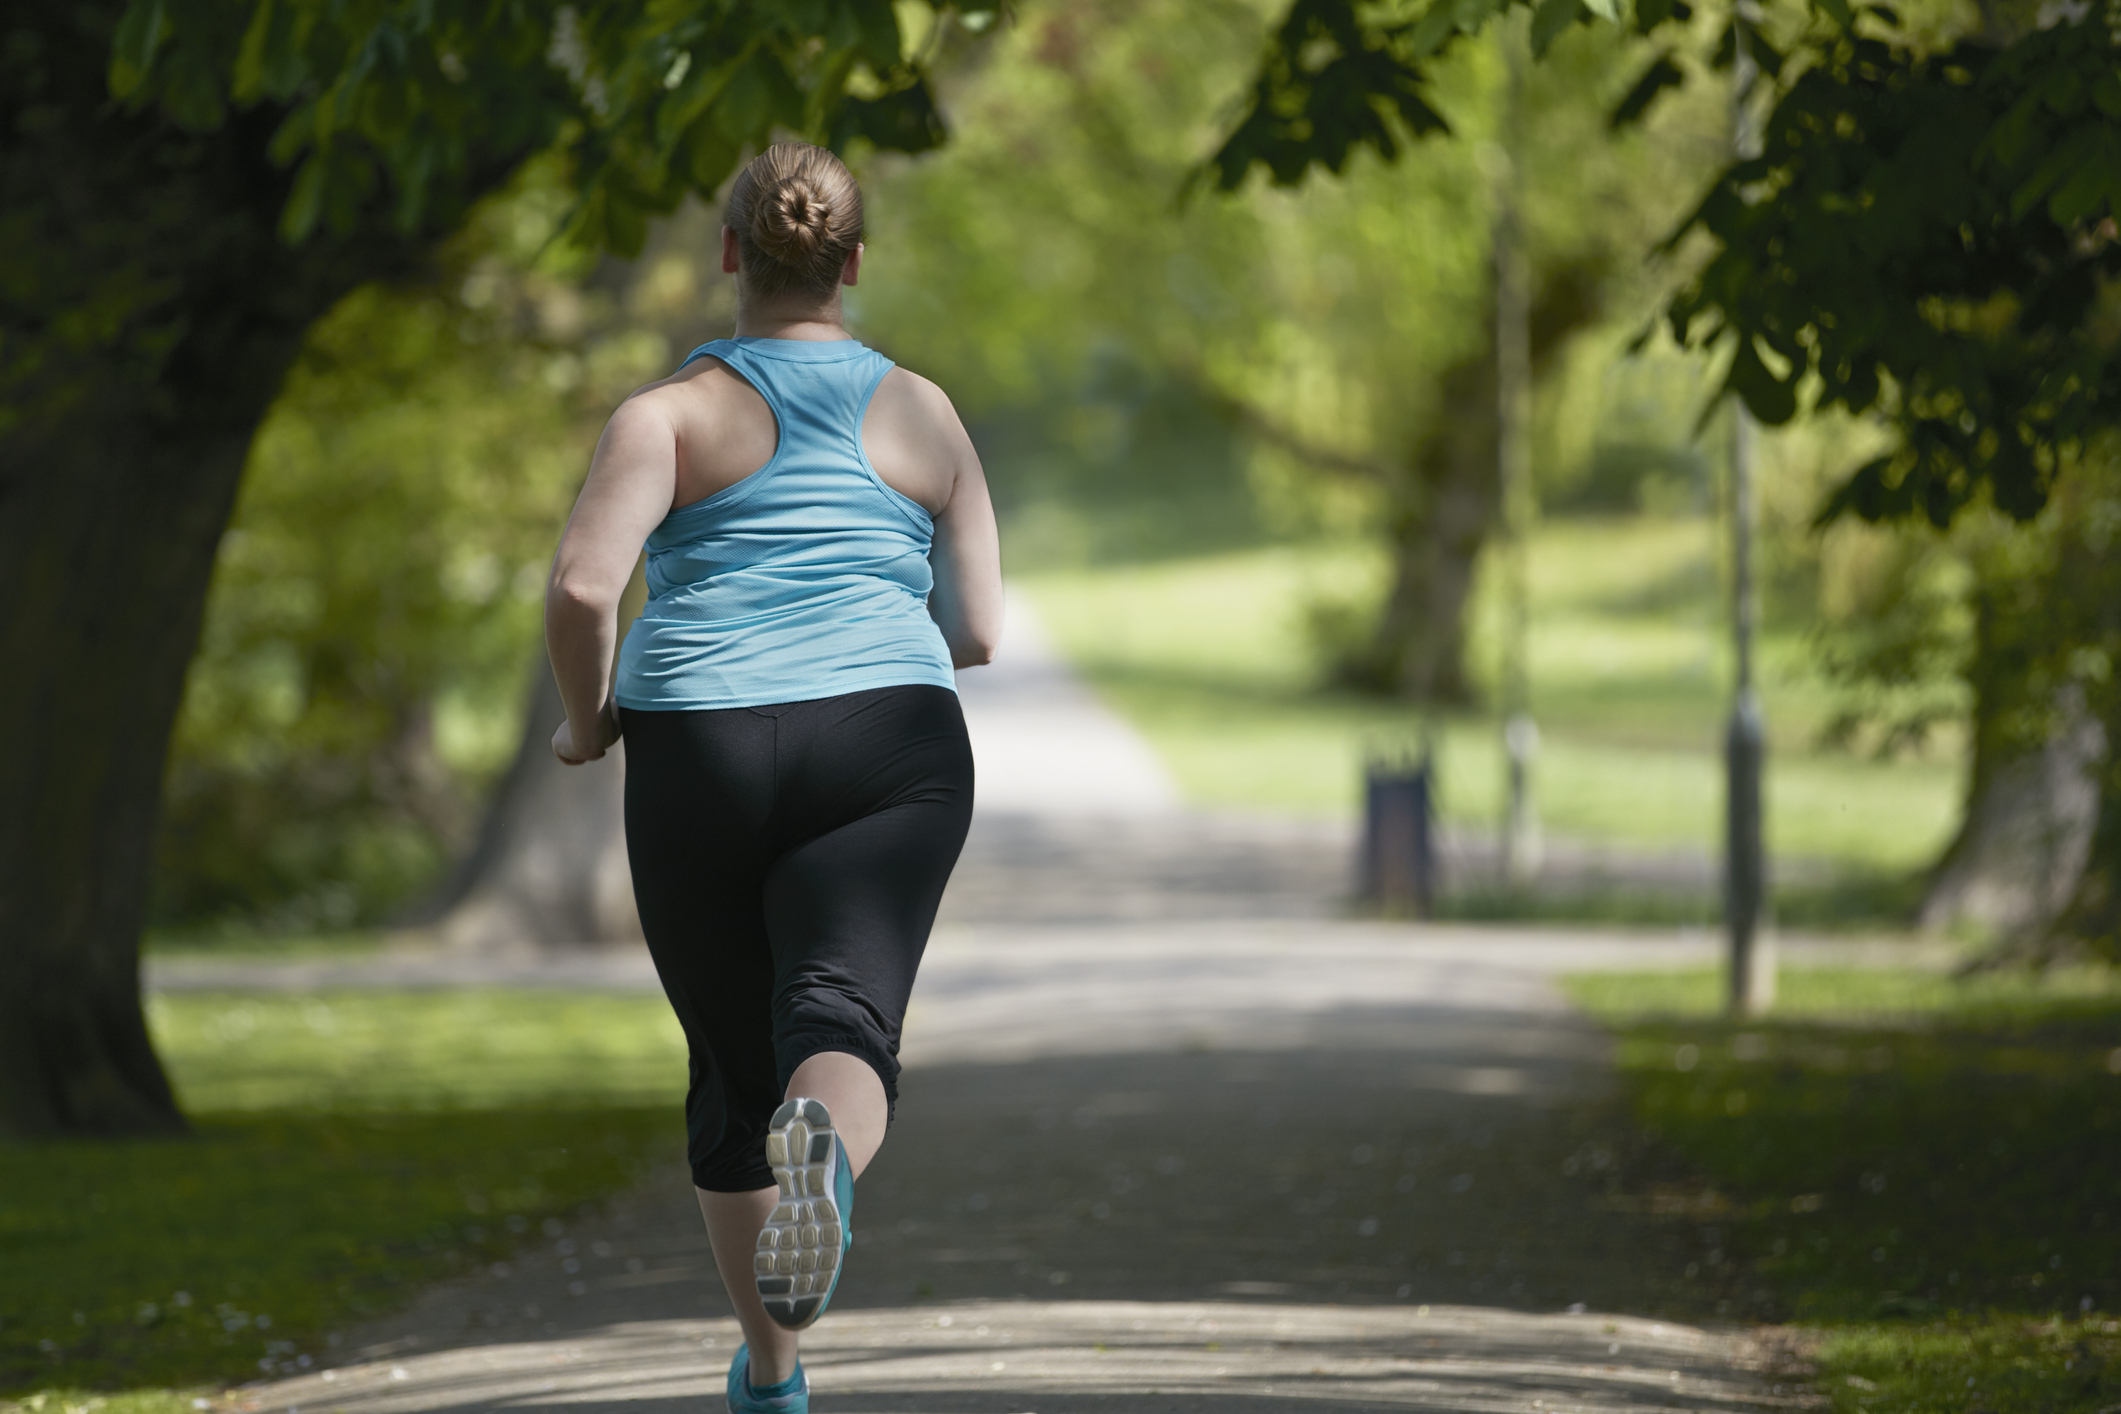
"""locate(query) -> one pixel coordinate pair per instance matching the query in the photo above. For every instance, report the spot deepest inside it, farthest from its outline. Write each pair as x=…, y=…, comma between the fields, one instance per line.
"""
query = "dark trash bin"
x=1398, y=875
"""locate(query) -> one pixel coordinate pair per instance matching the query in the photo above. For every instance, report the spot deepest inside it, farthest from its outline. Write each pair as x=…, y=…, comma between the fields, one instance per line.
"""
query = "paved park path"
x=1172, y=1137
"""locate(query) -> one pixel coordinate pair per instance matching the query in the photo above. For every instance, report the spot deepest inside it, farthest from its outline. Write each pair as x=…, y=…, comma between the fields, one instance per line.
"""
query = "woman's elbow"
x=973, y=653
x=578, y=596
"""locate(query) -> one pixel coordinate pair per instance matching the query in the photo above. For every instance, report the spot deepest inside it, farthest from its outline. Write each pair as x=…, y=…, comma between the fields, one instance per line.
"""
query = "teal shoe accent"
x=790, y=1396
x=804, y=1242
x=843, y=1191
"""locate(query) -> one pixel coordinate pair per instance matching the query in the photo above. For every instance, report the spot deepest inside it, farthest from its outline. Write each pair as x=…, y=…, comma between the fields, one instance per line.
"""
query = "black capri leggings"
x=788, y=861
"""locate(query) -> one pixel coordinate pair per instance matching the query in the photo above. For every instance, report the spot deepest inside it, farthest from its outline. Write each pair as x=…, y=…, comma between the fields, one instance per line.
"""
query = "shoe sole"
x=798, y=1257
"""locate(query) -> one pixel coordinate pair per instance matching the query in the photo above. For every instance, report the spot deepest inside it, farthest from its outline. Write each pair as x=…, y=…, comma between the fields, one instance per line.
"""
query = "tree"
x=165, y=254
x=1231, y=370
x=1928, y=237
x=1339, y=78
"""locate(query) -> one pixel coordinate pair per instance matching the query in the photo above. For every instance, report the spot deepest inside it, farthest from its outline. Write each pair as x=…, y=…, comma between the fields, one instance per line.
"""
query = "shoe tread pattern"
x=799, y=1248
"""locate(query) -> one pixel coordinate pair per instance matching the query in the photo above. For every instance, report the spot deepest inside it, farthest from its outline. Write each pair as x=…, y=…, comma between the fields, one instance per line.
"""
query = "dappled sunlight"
x=1191, y=1356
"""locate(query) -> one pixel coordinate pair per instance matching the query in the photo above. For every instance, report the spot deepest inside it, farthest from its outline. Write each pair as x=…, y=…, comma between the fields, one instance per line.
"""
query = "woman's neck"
x=812, y=324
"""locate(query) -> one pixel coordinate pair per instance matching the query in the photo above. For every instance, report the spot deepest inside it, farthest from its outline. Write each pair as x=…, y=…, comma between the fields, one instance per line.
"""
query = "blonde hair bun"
x=790, y=222
x=797, y=214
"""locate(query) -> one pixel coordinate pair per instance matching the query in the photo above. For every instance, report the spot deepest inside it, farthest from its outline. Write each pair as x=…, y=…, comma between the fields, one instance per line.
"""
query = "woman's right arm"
x=632, y=483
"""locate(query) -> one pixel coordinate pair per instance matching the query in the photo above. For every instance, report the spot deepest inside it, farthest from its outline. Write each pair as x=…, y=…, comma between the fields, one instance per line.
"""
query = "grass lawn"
x=349, y=1148
x=1211, y=659
x=1927, y=1173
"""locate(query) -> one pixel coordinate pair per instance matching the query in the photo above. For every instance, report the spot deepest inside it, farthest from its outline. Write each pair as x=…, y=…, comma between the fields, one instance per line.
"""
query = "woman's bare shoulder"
x=910, y=391
x=913, y=407
x=703, y=396
x=704, y=381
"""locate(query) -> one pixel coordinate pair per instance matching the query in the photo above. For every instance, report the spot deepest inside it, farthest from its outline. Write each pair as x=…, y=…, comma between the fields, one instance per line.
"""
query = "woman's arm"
x=632, y=483
x=967, y=601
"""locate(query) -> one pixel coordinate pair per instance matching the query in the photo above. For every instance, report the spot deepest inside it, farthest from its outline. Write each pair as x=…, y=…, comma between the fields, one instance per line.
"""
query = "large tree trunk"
x=2088, y=590
x=549, y=867
x=2092, y=918
x=1441, y=516
x=150, y=316
x=105, y=553
x=1446, y=506
x=2026, y=834
x=2037, y=859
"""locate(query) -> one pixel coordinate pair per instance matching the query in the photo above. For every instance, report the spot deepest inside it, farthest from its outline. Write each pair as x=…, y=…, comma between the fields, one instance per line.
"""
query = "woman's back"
x=804, y=576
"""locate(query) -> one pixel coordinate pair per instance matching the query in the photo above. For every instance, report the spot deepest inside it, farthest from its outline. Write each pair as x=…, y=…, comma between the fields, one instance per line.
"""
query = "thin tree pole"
x=1752, y=958
x=1513, y=462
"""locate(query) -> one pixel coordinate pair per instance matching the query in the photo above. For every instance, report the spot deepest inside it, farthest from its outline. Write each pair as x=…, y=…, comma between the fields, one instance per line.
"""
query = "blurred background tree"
x=1151, y=376
x=168, y=254
x=381, y=583
x=1928, y=238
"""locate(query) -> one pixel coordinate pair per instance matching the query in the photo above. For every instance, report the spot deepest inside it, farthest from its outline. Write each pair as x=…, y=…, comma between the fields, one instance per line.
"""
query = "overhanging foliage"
x=1929, y=237
x=653, y=98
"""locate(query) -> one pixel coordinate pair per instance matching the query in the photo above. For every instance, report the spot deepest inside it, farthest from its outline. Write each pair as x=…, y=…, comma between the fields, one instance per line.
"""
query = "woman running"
x=821, y=554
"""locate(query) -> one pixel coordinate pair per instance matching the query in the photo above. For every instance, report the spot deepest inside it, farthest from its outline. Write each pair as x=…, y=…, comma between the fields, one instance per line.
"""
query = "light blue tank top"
x=810, y=577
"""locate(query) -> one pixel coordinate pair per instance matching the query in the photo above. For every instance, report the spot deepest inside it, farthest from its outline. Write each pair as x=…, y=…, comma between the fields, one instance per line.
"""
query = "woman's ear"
x=852, y=270
x=729, y=252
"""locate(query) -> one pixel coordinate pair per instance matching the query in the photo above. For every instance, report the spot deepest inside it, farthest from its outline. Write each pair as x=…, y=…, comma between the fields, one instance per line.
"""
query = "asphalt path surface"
x=1174, y=1134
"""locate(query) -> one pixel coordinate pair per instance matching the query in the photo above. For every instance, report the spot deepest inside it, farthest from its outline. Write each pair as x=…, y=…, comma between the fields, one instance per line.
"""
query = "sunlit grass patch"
x=1921, y=996
x=1927, y=1169
x=414, y=1050
x=85, y=1401
x=226, y=942
x=2000, y=1365
x=1212, y=660
x=349, y=1148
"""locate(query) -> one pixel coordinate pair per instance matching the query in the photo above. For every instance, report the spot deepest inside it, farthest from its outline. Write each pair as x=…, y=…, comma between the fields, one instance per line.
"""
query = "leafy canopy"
x=426, y=103
x=1927, y=236
x=1930, y=236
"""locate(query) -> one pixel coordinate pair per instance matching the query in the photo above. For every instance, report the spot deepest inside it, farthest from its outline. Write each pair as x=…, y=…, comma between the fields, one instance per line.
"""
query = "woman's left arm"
x=967, y=556
x=632, y=482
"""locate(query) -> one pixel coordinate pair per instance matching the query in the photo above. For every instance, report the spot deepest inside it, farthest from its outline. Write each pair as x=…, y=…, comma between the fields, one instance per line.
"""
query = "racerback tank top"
x=808, y=578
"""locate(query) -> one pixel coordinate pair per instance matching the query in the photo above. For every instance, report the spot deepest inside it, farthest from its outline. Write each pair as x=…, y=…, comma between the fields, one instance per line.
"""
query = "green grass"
x=1211, y=658
x=227, y=943
x=417, y=1050
x=1925, y=1171
x=350, y=1147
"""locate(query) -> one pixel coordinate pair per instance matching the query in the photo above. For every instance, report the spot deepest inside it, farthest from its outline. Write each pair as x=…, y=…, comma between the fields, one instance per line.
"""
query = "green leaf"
x=2094, y=188
x=1659, y=76
x=305, y=203
x=141, y=30
x=2106, y=94
x=905, y=120
x=625, y=225
x=877, y=37
x=1651, y=13
x=745, y=102
x=293, y=135
x=2060, y=164
x=191, y=92
x=1607, y=10
x=1550, y=19
x=1435, y=27
x=1472, y=16
x=269, y=61
x=2013, y=132
x=694, y=95
x=706, y=155
x=1838, y=11
x=1769, y=398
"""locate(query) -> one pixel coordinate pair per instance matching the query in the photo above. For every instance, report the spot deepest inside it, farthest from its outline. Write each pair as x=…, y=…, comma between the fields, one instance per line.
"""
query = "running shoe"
x=790, y=1396
x=802, y=1245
